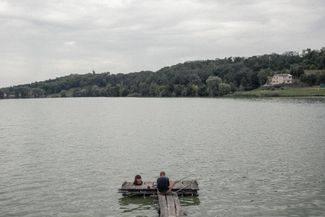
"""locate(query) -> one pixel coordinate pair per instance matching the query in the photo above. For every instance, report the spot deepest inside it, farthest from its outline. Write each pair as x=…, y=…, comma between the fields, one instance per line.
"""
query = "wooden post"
x=169, y=205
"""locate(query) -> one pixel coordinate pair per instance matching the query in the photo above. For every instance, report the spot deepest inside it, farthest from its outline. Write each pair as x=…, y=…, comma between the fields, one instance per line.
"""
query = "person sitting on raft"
x=137, y=180
x=163, y=184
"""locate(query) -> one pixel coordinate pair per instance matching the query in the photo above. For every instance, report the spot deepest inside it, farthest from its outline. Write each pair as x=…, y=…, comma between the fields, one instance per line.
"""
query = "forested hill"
x=195, y=78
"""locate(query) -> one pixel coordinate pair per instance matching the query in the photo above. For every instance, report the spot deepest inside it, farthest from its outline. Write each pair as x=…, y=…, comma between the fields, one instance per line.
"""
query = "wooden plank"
x=179, y=210
x=163, y=205
x=169, y=205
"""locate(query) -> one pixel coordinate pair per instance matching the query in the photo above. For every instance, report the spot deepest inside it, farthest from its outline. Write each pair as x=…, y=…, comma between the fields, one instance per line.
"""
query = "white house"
x=281, y=79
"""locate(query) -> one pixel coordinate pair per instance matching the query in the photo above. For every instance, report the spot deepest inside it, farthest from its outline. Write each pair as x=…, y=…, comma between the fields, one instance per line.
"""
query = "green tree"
x=22, y=92
x=124, y=91
x=321, y=79
x=263, y=76
x=38, y=92
x=63, y=93
x=153, y=89
x=224, y=89
x=177, y=90
x=309, y=79
x=202, y=90
x=164, y=91
x=194, y=90
x=296, y=70
x=213, y=85
x=243, y=84
x=192, y=78
x=94, y=91
x=2, y=94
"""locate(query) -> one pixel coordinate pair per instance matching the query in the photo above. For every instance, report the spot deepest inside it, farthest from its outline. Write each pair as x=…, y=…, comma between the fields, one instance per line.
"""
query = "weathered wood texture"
x=150, y=188
x=169, y=205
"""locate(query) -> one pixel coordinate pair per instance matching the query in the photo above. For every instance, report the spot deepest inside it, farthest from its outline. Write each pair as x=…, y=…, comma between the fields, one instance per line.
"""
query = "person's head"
x=137, y=180
x=162, y=173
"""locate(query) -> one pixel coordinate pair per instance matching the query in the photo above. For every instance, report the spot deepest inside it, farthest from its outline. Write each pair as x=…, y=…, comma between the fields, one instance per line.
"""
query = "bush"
x=224, y=89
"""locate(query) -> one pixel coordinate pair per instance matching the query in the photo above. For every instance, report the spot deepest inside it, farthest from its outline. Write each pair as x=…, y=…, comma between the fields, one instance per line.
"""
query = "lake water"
x=251, y=157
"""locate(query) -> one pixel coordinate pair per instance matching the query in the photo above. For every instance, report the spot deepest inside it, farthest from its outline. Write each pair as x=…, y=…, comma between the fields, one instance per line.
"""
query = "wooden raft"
x=169, y=205
x=186, y=188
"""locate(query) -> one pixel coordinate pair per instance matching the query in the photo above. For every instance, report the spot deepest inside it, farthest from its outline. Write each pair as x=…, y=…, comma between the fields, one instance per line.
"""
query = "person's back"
x=163, y=183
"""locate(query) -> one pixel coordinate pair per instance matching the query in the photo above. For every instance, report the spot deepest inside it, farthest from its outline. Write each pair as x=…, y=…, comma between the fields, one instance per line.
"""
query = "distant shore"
x=315, y=91
x=291, y=74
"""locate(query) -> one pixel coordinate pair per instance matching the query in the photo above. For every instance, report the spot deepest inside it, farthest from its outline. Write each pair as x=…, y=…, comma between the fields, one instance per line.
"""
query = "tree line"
x=216, y=77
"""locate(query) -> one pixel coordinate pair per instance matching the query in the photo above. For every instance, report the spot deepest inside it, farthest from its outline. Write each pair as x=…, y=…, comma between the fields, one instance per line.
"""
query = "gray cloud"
x=44, y=39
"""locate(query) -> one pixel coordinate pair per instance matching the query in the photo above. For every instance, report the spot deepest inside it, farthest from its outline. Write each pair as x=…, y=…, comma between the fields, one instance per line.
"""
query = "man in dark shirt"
x=163, y=184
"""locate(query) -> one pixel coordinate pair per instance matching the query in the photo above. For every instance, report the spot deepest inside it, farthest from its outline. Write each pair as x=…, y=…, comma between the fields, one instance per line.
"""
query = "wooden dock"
x=186, y=188
x=169, y=205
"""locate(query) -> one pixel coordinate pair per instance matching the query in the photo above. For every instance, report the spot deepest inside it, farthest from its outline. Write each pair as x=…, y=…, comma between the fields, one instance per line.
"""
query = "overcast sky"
x=41, y=39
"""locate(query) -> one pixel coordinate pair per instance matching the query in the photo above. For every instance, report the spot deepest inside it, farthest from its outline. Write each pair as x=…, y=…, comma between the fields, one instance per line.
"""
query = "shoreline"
x=295, y=92
x=290, y=92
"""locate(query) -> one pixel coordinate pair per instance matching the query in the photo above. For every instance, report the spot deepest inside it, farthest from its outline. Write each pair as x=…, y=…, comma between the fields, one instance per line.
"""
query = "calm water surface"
x=68, y=157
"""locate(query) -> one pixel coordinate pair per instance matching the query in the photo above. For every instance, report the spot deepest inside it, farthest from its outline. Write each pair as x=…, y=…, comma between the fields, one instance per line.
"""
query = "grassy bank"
x=284, y=92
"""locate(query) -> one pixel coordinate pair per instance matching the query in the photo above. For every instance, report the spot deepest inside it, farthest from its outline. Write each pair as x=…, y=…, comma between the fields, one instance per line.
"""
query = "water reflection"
x=289, y=100
x=189, y=201
x=135, y=203
x=261, y=157
x=130, y=204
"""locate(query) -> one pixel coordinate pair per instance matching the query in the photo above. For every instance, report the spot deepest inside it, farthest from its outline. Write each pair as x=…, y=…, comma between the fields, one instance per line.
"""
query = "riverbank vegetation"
x=233, y=75
x=282, y=92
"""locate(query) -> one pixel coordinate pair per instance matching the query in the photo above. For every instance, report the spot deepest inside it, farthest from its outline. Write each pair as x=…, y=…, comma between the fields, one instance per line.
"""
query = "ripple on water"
x=261, y=157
